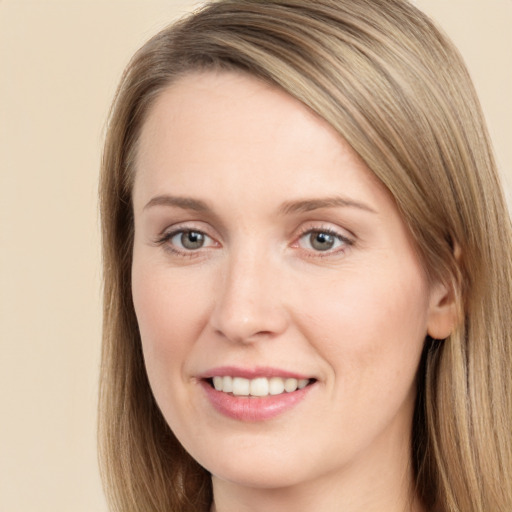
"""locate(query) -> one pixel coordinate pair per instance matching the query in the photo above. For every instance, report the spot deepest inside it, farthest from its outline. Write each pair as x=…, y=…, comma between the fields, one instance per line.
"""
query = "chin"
x=260, y=464
x=257, y=476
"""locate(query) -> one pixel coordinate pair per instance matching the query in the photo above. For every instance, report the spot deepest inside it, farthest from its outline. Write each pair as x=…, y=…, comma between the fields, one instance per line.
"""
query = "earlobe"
x=443, y=311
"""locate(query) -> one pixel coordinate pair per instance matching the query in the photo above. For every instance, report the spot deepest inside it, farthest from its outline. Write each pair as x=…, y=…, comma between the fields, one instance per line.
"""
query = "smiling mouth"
x=258, y=387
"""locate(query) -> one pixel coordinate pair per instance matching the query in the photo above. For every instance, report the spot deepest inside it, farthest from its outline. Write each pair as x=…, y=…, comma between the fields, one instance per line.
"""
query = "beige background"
x=59, y=65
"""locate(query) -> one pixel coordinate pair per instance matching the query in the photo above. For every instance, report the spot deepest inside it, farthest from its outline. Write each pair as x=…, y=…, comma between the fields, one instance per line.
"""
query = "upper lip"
x=251, y=373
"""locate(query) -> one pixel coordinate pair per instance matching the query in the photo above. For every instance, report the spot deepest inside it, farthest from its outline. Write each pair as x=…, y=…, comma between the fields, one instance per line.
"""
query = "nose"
x=250, y=304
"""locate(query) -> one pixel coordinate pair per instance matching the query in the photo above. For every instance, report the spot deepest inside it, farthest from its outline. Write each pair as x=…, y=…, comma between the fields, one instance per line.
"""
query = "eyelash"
x=164, y=240
x=345, y=241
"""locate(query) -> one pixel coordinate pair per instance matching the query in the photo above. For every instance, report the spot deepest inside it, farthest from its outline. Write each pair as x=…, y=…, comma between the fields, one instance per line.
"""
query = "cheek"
x=155, y=310
x=370, y=327
x=168, y=311
x=168, y=306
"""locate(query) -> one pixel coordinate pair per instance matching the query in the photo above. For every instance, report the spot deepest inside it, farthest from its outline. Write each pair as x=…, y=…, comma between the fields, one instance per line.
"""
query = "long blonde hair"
x=396, y=89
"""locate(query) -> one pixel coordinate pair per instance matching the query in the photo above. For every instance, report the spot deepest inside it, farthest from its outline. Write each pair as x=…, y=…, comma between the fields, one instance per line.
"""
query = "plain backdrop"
x=60, y=61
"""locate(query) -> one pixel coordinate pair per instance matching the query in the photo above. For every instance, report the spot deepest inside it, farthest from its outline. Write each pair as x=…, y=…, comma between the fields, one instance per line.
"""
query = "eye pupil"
x=321, y=241
x=192, y=240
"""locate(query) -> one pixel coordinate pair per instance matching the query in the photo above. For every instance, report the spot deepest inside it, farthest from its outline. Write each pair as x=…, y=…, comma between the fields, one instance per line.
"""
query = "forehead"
x=217, y=130
x=233, y=107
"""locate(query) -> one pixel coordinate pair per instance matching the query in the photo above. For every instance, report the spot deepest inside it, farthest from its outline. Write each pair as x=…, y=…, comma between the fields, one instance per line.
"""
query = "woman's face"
x=268, y=256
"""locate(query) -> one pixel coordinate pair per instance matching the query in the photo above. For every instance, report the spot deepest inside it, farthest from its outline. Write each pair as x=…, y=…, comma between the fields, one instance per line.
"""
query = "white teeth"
x=217, y=383
x=276, y=386
x=241, y=386
x=302, y=383
x=261, y=386
x=227, y=384
x=290, y=385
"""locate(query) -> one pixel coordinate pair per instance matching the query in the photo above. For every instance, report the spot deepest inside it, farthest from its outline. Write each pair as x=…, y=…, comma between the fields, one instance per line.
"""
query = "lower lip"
x=253, y=409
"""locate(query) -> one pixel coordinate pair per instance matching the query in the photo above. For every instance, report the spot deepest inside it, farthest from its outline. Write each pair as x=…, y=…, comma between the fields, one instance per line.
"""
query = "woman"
x=307, y=269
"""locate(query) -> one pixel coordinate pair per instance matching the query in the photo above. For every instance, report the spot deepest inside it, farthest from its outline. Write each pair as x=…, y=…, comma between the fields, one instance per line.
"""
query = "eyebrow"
x=289, y=207
x=186, y=203
x=308, y=205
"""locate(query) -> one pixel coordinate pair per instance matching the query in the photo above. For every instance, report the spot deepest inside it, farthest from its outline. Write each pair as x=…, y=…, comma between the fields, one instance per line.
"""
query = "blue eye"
x=322, y=240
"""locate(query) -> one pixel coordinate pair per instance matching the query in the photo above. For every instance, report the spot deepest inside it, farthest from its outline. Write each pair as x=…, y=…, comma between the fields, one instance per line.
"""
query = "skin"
x=258, y=293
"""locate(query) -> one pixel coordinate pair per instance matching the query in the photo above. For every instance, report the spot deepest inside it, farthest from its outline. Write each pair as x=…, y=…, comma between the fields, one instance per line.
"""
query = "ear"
x=443, y=313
